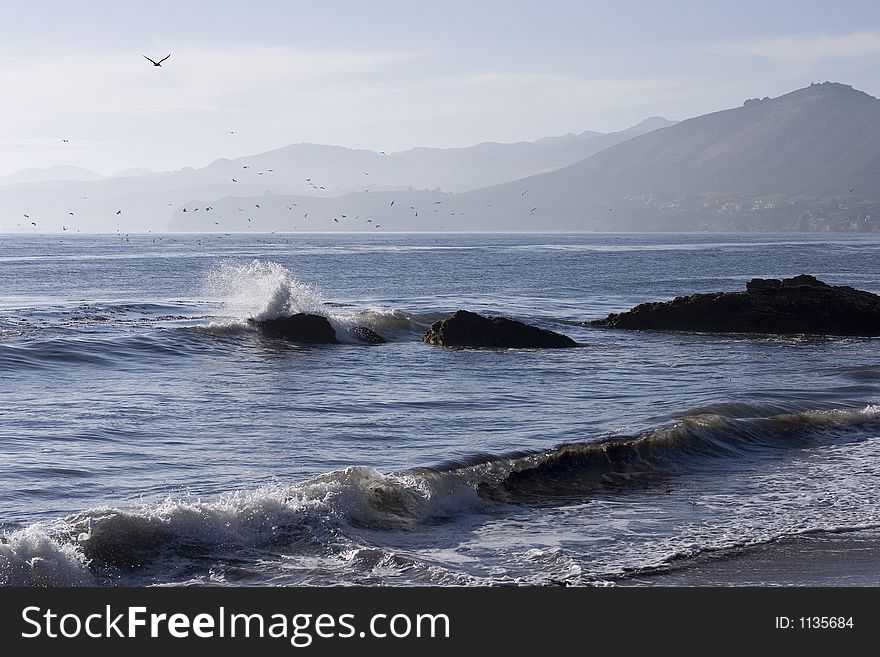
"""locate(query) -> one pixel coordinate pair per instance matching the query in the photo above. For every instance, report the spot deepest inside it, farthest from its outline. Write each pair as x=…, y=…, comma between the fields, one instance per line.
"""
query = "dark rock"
x=367, y=335
x=467, y=329
x=301, y=327
x=802, y=304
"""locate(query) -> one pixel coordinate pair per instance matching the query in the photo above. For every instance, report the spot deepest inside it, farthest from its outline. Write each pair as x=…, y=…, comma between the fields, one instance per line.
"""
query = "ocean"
x=150, y=436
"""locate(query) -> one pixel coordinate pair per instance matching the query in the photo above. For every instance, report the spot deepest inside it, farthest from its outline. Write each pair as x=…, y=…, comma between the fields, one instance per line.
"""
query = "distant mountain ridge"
x=807, y=160
x=147, y=199
x=788, y=157
x=50, y=174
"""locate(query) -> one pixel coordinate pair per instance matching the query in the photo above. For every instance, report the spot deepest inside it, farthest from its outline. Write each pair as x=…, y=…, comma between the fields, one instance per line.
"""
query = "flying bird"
x=33, y=223
x=119, y=212
x=66, y=141
x=234, y=180
x=159, y=63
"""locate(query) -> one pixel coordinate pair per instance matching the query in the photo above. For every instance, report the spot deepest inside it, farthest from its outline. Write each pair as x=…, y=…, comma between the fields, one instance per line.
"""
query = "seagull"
x=66, y=141
x=257, y=204
x=234, y=180
x=119, y=212
x=392, y=204
x=336, y=220
x=159, y=63
x=33, y=223
x=524, y=193
x=27, y=216
x=852, y=190
x=533, y=210
x=231, y=132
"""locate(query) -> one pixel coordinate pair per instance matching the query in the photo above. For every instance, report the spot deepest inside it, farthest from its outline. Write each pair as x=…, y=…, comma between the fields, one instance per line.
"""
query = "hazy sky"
x=392, y=75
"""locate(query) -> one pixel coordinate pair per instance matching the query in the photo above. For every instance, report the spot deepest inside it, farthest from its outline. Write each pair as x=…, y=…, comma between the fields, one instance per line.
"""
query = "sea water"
x=150, y=435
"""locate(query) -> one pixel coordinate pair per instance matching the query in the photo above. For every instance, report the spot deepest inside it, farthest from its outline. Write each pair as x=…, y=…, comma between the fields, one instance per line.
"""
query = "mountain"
x=813, y=145
x=148, y=199
x=50, y=174
x=137, y=171
x=808, y=160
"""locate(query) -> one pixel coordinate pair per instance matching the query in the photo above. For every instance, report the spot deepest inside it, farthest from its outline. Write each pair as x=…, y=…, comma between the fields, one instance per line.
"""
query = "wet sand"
x=827, y=559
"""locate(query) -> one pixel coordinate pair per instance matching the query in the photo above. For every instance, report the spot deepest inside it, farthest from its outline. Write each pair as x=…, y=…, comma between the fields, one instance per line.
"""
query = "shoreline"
x=849, y=558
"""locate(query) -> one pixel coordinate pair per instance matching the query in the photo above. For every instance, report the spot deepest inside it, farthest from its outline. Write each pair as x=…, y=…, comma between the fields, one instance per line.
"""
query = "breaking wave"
x=326, y=515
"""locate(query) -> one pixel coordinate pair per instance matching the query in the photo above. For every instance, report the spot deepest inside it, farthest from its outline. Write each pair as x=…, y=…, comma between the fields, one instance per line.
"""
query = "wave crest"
x=262, y=290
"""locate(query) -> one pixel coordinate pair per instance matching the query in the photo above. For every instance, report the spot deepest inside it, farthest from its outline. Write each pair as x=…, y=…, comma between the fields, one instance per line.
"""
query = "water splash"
x=262, y=290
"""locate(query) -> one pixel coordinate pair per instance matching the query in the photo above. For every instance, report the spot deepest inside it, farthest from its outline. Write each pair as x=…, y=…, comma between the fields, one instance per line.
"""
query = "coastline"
x=846, y=559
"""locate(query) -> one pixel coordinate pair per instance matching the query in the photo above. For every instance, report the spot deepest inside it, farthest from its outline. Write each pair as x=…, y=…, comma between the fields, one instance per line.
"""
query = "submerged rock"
x=802, y=304
x=467, y=329
x=301, y=327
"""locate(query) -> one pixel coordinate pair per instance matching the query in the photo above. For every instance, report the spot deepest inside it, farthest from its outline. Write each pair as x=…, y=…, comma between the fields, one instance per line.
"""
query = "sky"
x=246, y=77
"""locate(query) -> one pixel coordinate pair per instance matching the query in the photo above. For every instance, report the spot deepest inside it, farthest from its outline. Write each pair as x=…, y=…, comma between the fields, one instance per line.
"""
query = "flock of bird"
x=309, y=183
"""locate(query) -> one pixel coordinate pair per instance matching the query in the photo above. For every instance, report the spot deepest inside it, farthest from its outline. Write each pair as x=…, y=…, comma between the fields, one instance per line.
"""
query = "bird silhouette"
x=234, y=180
x=119, y=212
x=33, y=223
x=159, y=63
x=852, y=190
x=66, y=141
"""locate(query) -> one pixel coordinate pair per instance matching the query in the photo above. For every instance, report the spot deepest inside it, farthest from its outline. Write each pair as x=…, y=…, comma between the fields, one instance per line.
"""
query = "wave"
x=325, y=514
x=263, y=290
x=579, y=468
